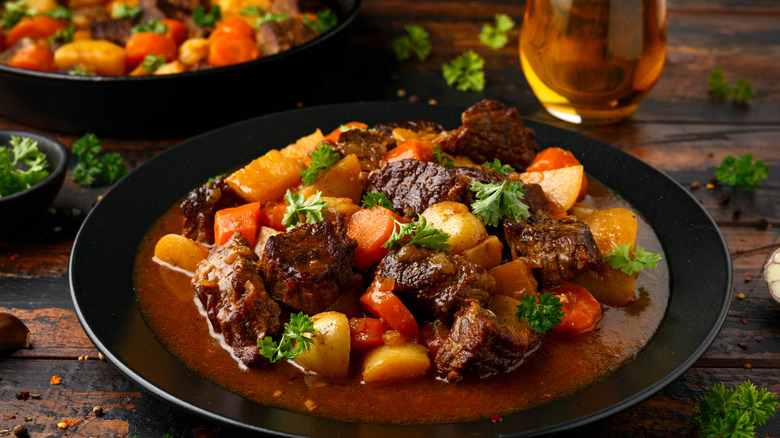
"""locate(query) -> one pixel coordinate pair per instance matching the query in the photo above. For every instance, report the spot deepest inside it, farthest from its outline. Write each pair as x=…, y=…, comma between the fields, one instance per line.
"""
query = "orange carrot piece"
x=371, y=229
x=334, y=135
x=177, y=30
x=142, y=44
x=366, y=333
x=228, y=50
x=557, y=158
x=272, y=215
x=232, y=26
x=581, y=309
x=410, y=149
x=244, y=219
x=385, y=305
x=41, y=26
x=33, y=57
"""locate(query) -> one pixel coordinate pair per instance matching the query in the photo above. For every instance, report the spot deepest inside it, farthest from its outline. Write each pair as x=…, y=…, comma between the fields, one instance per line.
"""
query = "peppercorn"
x=20, y=431
x=97, y=410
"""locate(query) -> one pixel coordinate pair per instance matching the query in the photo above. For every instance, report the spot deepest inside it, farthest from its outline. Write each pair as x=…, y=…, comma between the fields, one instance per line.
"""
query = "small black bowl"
x=32, y=201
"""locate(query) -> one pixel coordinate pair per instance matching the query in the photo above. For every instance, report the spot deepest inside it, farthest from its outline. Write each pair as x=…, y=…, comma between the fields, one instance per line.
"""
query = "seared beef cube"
x=413, y=185
x=150, y=10
x=491, y=130
x=480, y=174
x=480, y=345
x=420, y=126
x=535, y=199
x=307, y=267
x=369, y=146
x=201, y=205
x=229, y=286
x=116, y=31
x=557, y=250
x=278, y=36
x=437, y=281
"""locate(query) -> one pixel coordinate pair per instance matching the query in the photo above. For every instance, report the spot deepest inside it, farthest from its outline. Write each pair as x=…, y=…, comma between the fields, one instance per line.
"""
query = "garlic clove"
x=772, y=275
x=13, y=332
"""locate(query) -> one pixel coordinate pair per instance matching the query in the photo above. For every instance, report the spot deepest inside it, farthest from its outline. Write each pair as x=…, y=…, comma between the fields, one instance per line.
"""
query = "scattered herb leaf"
x=81, y=70
x=301, y=210
x=125, y=11
x=92, y=168
x=497, y=201
x=321, y=22
x=201, y=18
x=322, y=158
x=59, y=13
x=416, y=41
x=13, y=13
x=734, y=412
x=742, y=172
x=374, y=199
x=716, y=82
x=465, y=72
x=63, y=35
x=541, y=315
x=23, y=151
x=441, y=158
x=153, y=26
x=496, y=37
x=619, y=258
x=503, y=169
x=293, y=342
x=152, y=63
x=420, y=233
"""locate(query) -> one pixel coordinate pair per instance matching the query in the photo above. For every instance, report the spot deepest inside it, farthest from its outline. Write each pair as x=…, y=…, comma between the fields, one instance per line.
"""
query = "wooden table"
x=679, y=128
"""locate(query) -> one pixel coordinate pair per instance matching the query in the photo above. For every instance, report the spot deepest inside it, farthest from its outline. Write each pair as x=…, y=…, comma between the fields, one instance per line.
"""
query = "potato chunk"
x=266, y=178
x=329, y=355
x=395, y=362
x=486, y=253
x=514, y=279
x=561, y=186
x=340, y=181
x=105, y=57
x=455, y=219
x=180, y=252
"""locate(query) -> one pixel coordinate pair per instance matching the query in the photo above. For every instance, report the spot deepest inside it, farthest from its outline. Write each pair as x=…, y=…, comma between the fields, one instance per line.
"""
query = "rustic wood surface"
x=679, y=128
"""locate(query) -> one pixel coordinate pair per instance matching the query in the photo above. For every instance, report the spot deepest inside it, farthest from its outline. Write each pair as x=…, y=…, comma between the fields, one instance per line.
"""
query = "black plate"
x=171, y=105
x=101, y=282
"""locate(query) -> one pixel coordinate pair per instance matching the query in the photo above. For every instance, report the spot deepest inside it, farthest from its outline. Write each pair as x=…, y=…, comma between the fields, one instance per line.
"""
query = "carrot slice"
x=33, y=57
x=366, y=333
x=244, y=218
x=410, y=149
x=41, y=26
x=371, y=229
x=228, y=50
x=582, y=311
x=557, y=158
x=142, y=44
x=385, y=305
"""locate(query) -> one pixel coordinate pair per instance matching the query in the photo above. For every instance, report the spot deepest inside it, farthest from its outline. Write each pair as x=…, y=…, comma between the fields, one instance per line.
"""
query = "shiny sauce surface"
x=562, y=365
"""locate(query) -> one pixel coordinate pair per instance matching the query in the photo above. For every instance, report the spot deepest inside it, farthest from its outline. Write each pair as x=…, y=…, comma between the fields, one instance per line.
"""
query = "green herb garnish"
x=322, y=158
x=125, y=11
x=153, y=26
x=201, y=18
x=466, y=72
x=420, y=233
x=324, y=21
x=496, y=37
x=81, y=70
x=301, y=210
x=619, y=258
x=63, y=35
x=741, y=172
x=374, y=199
x=22, y=151
x=293, y=342
x=92, y=168
x=542, y=315
x=415, y=42
x=716, y=82
x=152, y=63
x=441, y=158
x=497, y=201
x=503, y=169
x=14, y=12
x=60, y=13
x=735, y=412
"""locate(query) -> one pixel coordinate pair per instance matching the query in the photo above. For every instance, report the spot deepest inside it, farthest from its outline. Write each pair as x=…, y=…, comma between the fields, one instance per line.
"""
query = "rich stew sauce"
x=562, y=365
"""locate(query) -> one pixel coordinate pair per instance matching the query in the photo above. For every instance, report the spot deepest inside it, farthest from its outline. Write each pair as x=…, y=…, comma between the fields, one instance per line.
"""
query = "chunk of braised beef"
x=412, y=185
x=116, y=31
x=557, y=250
x=420, y=126
x=479, y=345
x=369, y=146
x=307, y=267
x=228, y=285
x=436, y=281
x=202, y=204
x=279, y=36
x=491, y=130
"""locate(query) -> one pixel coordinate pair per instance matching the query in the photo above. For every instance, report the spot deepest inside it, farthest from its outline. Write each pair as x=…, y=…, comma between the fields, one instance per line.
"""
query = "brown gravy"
x=562, y=365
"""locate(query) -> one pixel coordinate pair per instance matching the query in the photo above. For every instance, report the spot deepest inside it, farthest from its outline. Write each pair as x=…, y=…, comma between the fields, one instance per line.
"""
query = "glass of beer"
x=593, y=61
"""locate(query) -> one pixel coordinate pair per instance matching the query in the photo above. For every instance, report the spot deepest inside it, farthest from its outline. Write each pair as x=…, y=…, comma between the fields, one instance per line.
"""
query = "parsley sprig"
x=207, y=19
x=497, y=201
x=152, y=63
x=125, y=11
x=293, y=342
x=496, y=36
x=420, y=233
x=323, y=21
x=13, y=13
x=416, y=41
x=374, y=199
x=92, y=168
x=466, y=72
x=22, y=151
x=741, y=172
x=541, y=315
x=302, y=210
x=322, y=158
x=441, y=158
x=620, y=258
x=740, y=92
x=503, y=169
x=153, y=26
x=734, y=412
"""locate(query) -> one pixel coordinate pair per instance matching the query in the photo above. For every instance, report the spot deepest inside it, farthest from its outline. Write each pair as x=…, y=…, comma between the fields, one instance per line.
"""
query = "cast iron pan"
x=173, y=105
x=101, y=277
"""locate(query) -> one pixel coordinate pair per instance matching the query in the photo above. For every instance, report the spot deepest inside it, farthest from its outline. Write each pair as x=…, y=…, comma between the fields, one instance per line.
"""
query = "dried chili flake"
x=55, y=380
x=495, y=418
x=749, y=277
x=23, y=395
x=742, y=345
x=7, y=417
x=748, y=366
x=743, y=321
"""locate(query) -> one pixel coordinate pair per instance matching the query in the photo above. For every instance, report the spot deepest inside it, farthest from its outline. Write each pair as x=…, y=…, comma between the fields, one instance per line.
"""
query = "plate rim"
x=509, y=424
